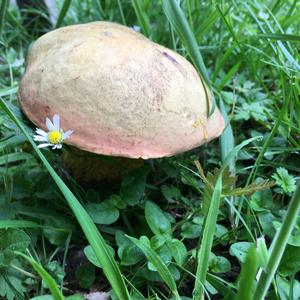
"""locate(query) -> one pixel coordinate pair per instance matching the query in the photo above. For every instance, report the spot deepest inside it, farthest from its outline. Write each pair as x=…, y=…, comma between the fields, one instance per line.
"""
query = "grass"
x=177, y=228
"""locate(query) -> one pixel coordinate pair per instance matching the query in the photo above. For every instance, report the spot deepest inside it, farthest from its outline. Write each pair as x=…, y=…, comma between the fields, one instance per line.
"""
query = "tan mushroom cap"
x=122, y=94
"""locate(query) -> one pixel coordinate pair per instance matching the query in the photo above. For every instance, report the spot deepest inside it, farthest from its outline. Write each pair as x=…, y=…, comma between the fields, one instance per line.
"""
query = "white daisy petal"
x=49, y=124
x=41, y=132
x=67, y=134
x=44, y=145
x=56, y=122
x=52, y=125
x=40, y=138
x=57, y=146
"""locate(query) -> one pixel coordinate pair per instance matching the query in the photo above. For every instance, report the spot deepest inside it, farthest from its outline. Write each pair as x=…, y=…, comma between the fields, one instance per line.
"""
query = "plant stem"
x=24, y=272
x=278, y=246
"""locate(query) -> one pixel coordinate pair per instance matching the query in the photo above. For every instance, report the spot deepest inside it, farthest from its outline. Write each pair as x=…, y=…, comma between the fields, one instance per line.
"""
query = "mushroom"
x=122, y=94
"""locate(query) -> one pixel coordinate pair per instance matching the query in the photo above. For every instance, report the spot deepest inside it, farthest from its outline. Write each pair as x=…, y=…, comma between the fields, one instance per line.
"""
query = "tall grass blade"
x=48, y=279
x=107, y=261
x=160, y=266
x=18, y=224
x=247, y=277
x=226, y=145
x=142, y=17
x=278, y=246
x=210, y=223
x=180, y=24
x=280, y=37
x=227, y=139
x=8, y=91
x=207, y=240
x=63, y=12
x=3, y=9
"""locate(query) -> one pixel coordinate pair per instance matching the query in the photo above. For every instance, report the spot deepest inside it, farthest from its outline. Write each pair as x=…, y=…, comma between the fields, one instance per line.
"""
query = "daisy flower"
x=54, y=137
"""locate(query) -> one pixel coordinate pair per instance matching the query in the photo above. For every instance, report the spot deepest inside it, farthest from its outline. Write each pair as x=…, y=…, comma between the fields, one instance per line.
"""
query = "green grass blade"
x=178, y=20
x=63, y=12
x=18, y=224
x=142, y=17
x=226, y=139
x=3, y=9
x=219, y=284
x=210, y=223
x=110, y=267
x=122, y=13
x=278, y=246
x=14, y=157
x=279, y=37
x=229, y=75
x=180, y=24
x=8, y=91
x=48, y=279
x=247, y=277
x=226, y=145
x=207, y=240
x=160, y=266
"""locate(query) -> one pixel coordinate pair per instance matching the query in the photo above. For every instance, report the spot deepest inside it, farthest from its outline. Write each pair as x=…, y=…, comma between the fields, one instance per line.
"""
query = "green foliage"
x=103, y=213
x=11, y=285
x=157, y=221
x=290, y=263
x=285, y=181
x=247, y=277
x=133, y=186
x=11, y=240
x=85, y=275
x=172, y=222
x=240, y=250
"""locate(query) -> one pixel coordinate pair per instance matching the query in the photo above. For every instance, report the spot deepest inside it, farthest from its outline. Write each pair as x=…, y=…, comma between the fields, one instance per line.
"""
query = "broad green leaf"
x=165, y=255
x=263, y=201
x=219, y=264
x=171, y=193
x=156, y=219
x=290, y=262
x=85, y=275
x=133, y=185
x=103, y=213
x=240, y=250
x=288, y=289
x=178, y=251
x=128, y=252
x=190, y=230
x=57, y=237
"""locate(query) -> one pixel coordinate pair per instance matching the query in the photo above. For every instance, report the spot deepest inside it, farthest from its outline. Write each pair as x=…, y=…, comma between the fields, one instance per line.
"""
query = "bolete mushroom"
x=120, y=93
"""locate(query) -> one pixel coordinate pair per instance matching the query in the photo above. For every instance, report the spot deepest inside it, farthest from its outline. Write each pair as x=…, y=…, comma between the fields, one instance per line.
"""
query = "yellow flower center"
x=55, y=137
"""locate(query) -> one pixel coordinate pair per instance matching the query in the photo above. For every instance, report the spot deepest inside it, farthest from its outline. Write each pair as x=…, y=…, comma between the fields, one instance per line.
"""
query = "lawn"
x=220, y=221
